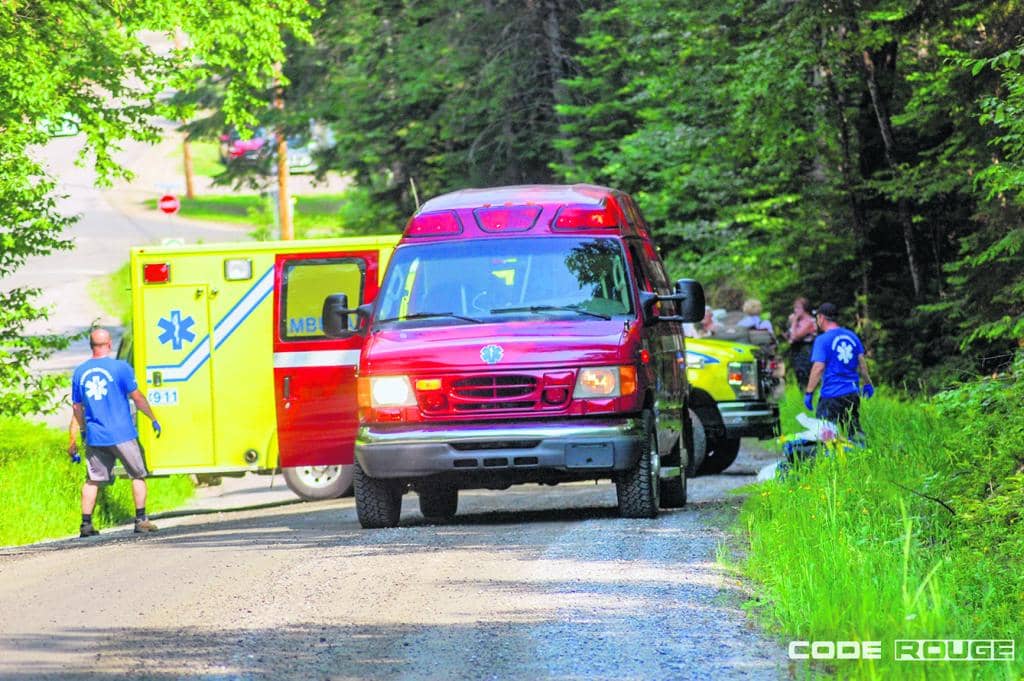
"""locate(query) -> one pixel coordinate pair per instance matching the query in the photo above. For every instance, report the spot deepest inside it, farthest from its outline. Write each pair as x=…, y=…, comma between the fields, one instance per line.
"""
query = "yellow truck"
x=731, y=392
x=228, y=343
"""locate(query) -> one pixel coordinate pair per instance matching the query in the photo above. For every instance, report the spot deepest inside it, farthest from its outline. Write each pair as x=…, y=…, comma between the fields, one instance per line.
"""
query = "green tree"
x=85, y=62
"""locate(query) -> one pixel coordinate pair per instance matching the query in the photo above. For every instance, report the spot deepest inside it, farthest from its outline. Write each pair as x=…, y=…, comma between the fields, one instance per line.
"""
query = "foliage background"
x=866, y=153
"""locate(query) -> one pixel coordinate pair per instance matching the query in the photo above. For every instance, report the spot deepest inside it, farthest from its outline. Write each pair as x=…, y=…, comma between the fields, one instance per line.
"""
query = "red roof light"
x=507, y=218
x=586, y=217
x=439, y=223
x=156, y=273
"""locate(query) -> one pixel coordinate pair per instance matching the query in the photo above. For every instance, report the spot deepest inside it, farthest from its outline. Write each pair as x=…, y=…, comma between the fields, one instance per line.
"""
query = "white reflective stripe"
x=316, y=358
x=226, y=326
x=181, y=372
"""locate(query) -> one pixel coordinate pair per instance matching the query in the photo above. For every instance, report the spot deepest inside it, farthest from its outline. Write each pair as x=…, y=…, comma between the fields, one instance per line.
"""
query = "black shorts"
x=844, y=411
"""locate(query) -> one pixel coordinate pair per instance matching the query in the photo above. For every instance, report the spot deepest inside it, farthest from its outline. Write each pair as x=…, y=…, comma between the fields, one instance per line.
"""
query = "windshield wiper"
x=549, y=308
x=428, y=315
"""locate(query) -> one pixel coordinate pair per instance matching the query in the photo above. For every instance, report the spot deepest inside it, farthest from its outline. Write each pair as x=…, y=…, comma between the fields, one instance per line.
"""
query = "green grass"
x=315, y=215
x=853, y=548
x=112, y=292
x=41, y=488
x=205, y=159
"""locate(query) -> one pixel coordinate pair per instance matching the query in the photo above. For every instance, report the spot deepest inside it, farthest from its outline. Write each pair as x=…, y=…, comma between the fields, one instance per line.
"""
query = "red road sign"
x=169, y=204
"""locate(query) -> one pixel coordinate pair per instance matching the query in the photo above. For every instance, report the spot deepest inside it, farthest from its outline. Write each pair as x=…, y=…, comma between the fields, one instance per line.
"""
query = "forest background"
x=866, y=153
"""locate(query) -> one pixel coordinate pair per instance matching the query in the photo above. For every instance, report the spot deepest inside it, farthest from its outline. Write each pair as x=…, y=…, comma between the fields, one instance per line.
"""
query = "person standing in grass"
x=800, y=336
x=100, y=390
x=838, y=364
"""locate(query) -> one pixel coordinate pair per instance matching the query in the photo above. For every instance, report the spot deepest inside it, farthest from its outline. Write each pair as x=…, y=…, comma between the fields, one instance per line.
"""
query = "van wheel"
x=439, y=502
x=318, y=482
x=699, y=453
x=378, y=502
x=673, y=490
x=638, y=489
x=722, y=456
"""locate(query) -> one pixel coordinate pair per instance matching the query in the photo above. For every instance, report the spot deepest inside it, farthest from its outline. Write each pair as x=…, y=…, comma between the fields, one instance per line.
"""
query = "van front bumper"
x=750, y=419
x=417, y=450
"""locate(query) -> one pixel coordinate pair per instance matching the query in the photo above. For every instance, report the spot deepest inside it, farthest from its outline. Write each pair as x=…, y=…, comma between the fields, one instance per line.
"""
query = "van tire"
x=674, y=490
x=638, y=489
x=312, y=484
x=699, y=454
x=378, y=502
x=722, y=456
x=439, y=502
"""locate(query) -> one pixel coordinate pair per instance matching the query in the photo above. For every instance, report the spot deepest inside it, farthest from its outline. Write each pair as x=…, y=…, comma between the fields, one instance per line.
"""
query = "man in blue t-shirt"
x=100, y=390
x=838, y=364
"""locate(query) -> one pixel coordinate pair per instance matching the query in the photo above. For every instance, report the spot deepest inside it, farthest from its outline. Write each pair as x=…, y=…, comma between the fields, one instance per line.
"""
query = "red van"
x=521, y=335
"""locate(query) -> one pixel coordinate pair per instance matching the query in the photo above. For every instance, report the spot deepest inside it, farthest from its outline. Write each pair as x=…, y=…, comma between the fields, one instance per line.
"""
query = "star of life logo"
x=96, y=387
x=176, y=329
x=844, y=352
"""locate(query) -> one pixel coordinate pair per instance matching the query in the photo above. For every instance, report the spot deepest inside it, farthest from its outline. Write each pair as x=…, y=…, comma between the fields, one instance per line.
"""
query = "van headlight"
x=597, y=382
x=743, y=379
x=391, y=391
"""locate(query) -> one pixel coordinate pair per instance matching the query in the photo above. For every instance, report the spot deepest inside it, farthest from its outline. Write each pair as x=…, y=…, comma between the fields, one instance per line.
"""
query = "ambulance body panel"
x=229, y=349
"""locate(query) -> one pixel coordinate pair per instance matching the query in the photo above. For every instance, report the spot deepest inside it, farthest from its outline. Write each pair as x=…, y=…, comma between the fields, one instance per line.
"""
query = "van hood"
x=509, y=345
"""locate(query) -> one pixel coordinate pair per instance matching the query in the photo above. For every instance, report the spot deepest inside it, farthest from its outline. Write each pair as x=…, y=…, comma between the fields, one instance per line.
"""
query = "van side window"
x=305, y=285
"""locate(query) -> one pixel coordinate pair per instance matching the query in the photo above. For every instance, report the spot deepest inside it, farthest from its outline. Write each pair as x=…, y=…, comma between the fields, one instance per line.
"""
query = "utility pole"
x=186, y=146
x=284, y=201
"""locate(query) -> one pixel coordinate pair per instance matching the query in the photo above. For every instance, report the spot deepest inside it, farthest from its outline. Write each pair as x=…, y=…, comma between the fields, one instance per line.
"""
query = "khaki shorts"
x=100, y=460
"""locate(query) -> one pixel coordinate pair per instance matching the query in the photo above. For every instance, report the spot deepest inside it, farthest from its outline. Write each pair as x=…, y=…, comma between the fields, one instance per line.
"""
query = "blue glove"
x=75, y=458
x=809, y=401
x=868, y=391
x=156, y=428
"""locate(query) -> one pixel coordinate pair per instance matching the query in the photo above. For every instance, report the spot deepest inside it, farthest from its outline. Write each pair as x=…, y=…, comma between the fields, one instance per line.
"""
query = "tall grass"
x=41, y=488
x=859, y=547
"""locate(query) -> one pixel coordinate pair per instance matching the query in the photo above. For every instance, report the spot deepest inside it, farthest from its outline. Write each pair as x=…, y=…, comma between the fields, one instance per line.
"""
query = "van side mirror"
x=647, y=302
x=690, y=295
x=335, y=315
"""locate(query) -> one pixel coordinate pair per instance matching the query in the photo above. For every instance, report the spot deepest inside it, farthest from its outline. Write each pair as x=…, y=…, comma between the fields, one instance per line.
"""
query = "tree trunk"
x=556, y=59
x=889, y=143
x=850, y=188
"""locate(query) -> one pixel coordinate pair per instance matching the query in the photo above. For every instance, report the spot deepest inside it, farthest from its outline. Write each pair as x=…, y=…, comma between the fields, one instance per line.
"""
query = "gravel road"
x=531, y=583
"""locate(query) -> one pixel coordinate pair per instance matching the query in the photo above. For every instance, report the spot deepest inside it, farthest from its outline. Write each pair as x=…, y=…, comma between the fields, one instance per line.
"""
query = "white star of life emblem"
x=844, y=352
x=96, y=388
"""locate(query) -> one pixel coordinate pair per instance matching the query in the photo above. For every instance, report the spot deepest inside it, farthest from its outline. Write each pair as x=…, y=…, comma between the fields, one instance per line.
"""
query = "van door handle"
x=286, y=388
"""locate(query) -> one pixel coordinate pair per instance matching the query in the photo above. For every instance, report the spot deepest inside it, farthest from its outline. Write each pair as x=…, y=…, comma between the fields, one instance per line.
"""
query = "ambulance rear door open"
x=315, y=376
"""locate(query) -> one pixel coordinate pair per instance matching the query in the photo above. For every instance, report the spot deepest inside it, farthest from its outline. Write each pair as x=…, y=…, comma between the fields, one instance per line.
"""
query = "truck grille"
x=498, y=392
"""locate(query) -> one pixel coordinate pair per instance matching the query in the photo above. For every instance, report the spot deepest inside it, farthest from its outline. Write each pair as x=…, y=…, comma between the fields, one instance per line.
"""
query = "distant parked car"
x=235, y=149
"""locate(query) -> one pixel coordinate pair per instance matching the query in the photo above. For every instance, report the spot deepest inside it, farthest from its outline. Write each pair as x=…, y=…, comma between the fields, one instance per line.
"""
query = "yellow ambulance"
x=228, y=345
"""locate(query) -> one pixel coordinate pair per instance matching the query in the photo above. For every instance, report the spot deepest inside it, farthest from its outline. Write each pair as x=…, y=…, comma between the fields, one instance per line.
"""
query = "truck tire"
x=318, y=482
x=700, y=447
x=638, y=489
x=439, y=502
x=378, y=502
x=673, y=490
x=722, y=456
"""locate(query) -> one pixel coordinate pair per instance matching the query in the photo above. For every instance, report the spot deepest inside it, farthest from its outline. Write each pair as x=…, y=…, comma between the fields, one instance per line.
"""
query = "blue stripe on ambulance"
x=183, y=370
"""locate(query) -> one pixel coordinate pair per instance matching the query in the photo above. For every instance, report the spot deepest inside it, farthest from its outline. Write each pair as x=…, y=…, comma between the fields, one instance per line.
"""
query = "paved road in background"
x=530, y=583
x=107, y=229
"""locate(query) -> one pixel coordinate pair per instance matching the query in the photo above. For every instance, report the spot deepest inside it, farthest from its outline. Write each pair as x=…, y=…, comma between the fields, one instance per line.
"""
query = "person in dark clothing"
x=838, y=364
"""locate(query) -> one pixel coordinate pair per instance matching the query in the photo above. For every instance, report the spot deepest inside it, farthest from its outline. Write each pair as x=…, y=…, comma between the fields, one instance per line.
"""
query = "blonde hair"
x=752, y=306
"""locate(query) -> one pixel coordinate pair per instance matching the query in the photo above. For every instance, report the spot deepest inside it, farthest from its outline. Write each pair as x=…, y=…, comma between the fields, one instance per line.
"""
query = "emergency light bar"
x=438, y=223
x=585, y=217
x=507, y=218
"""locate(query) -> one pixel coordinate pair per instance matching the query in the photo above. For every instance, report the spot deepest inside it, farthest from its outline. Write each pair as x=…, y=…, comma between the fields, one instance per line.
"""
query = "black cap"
x=827, y=310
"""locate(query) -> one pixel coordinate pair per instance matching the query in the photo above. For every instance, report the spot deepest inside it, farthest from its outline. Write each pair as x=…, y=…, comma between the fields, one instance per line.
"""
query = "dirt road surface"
x=530, y=583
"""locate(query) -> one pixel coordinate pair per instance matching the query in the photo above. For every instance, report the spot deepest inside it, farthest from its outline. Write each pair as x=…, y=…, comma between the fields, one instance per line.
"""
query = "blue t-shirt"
x=102, y=386
x=839, y=350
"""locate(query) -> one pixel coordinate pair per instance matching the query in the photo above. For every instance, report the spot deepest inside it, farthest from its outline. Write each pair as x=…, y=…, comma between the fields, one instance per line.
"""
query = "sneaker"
x=143, y=526
x=87, y=530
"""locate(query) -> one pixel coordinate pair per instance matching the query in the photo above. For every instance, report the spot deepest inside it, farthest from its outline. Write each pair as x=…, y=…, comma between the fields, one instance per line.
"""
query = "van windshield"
x=465, y=282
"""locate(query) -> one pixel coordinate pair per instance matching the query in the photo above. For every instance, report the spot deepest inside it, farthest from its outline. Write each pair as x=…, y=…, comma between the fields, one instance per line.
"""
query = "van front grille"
x=500, y=392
